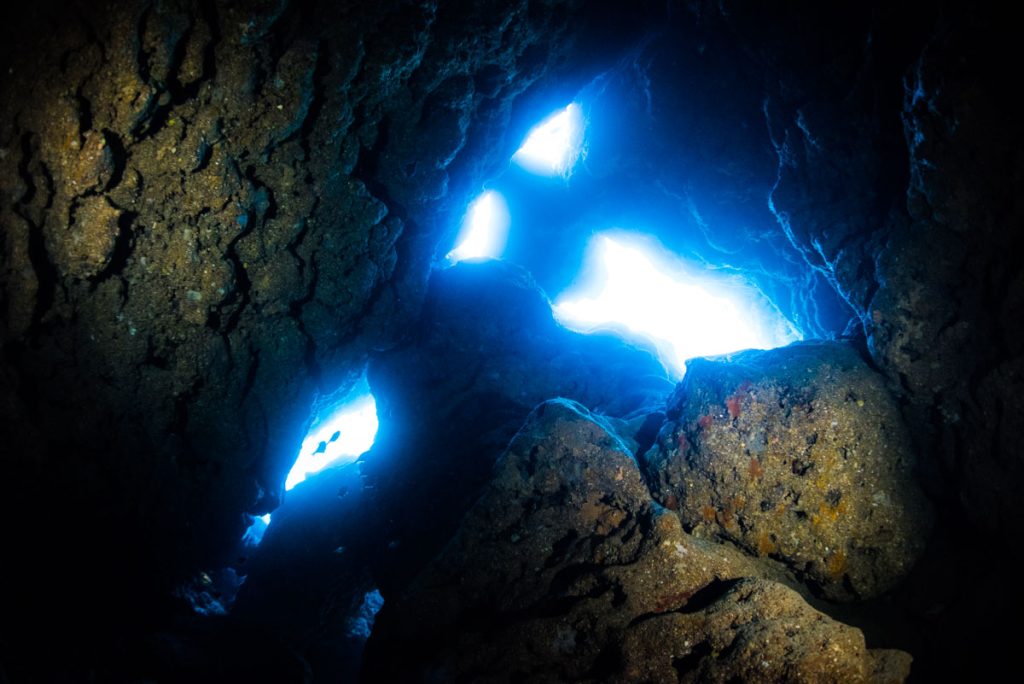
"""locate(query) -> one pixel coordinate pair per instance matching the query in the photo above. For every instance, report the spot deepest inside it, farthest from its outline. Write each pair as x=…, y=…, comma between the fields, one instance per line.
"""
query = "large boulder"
x=799, y=454
x=487, y=351
x=566, y=569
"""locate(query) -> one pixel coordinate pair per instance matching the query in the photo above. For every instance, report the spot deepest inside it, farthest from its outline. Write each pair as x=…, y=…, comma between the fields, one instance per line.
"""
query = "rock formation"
x=215, y=217
x=799, y=454
x=567, y=570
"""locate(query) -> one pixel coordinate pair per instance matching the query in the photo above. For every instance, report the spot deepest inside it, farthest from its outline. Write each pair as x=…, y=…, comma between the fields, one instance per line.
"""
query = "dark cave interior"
x=219, y=219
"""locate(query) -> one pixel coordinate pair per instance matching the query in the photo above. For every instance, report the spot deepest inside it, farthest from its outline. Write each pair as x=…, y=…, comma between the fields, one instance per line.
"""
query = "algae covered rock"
x=565, y=569
x=799, y=454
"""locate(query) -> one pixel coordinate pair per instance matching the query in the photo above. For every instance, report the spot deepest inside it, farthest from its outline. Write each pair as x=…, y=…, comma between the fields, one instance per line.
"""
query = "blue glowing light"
x=341, y=437
x=683, y=316
x=555, y=145
x=254, y=533
x=360, y=625
x=484, y=229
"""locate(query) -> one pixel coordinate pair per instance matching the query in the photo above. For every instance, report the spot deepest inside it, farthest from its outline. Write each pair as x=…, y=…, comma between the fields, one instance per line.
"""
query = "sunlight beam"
x=554, y=146
x=682, y=316
x=484, y=229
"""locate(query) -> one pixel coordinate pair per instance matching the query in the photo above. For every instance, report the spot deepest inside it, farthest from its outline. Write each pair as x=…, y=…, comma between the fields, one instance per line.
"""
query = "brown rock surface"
x=211, y=213
x=486, y=351
x=799, y=454
x=755, y=631
x=565, y=569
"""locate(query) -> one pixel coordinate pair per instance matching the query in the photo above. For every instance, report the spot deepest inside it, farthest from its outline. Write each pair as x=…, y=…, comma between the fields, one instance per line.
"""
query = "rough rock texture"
x=566, y=569
x=756, y=631
x=899, y=178
x=799, y=454
x=211, y=213
x=486, y=351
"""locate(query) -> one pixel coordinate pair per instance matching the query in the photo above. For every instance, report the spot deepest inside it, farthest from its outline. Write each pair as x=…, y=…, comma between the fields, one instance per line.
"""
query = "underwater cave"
x=510, y=340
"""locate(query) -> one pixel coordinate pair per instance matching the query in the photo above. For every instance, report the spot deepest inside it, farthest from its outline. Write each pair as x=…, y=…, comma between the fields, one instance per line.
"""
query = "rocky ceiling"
x=216, y=215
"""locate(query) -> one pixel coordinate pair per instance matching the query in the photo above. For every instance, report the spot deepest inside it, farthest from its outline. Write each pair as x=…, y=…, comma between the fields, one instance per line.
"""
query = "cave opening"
x=624, y=282
x=633, y=285
x=340, y=433
x=484, y=229
x=555, y=145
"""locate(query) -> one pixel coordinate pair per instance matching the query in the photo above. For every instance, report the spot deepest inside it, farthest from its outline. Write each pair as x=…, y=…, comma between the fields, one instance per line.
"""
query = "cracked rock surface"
x=486, y=351
x=211, y=213
x=566, y=569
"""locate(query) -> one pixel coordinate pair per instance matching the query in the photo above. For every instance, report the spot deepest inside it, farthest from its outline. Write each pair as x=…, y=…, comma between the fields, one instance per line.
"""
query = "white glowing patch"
x=553, y=147
x=254, y=533
x=341, y=438
x=484, y=229
x=682, y=317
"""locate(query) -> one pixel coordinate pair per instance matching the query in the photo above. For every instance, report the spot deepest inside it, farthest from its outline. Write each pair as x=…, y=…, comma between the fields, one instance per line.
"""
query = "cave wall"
x=859, y=164
x=899, y=178
x=213, y=214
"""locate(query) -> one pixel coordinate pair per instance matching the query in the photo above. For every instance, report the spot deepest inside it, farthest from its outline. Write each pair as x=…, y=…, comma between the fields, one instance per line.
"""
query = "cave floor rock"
x=799, y=454
x=567, y=570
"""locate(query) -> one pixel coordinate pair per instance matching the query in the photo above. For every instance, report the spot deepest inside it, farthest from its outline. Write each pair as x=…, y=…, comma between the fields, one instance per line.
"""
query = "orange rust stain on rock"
x=756, y=469
x=727, y=518
x=836, y=565
x=733, y=405
x=829, y=512
x=765, y=545
x=605, y=519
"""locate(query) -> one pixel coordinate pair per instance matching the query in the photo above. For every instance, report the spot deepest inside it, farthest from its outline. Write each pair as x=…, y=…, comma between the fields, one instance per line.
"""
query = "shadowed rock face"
x=799, y=454
x=899, y=162
x=211, y=213
x=566, y=569
x=486, y=351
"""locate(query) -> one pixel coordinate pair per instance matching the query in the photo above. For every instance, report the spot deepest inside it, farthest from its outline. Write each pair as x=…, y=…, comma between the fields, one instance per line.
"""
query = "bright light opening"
x=254, y=533
x=653, y=297
x=484, y=229
x=341, y=436
x=554, y=146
